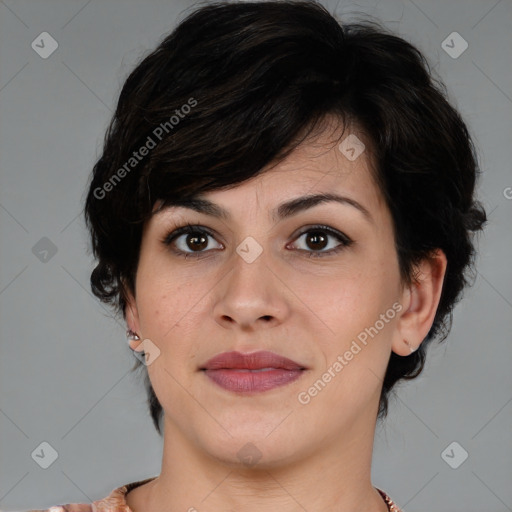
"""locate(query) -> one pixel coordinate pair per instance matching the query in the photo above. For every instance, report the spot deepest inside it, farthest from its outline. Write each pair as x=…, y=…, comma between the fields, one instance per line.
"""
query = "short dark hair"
x=236, y=87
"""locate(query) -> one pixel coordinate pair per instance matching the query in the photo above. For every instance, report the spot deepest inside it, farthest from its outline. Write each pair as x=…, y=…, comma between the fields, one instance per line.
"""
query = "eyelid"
x=321, y=227
x=182, y=229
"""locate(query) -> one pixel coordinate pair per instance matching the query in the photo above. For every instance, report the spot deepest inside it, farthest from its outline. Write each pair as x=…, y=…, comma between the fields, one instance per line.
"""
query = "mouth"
x=249, y=373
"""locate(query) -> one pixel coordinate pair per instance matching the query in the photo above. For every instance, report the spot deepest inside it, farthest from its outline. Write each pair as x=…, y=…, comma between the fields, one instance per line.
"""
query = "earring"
x=139, y=354
x=411, y=348
x=133, y=336
x=130, y=335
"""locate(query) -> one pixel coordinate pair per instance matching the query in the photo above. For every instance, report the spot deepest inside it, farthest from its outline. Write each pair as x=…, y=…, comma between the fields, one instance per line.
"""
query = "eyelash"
x=197, y=229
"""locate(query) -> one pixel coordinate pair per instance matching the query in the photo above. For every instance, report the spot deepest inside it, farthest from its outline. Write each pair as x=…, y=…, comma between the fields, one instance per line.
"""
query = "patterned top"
x=116, y=502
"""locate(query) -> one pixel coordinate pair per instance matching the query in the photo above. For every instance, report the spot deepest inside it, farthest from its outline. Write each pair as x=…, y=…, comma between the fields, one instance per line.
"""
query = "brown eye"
x=193, y=241
x=189, y=240
x=316, y=239
x=196, y=241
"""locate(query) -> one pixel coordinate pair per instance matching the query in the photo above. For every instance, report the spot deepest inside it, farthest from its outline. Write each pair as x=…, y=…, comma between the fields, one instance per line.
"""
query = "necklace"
x=391, y=506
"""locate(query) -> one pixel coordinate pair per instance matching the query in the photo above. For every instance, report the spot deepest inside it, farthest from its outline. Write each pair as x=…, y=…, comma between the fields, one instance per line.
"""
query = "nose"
x=251, y=296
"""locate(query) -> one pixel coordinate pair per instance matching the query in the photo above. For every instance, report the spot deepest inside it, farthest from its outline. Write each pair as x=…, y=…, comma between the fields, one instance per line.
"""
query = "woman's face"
x=258, y=281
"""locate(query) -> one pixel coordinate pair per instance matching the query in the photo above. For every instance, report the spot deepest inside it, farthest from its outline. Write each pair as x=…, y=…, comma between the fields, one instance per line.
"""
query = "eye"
x=317, y=238
x=189, y=237
x=193, y=240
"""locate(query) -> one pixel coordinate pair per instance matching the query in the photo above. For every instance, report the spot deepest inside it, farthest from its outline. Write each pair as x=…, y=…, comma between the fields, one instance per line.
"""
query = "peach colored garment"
x=115, y=501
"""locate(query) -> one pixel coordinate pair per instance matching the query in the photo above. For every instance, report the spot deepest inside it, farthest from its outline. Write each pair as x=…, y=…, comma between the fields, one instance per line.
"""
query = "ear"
x=420, y=301
x=131, y=315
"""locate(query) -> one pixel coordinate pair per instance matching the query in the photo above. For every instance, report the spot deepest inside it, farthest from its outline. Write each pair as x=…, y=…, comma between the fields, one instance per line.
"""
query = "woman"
x=283, y=214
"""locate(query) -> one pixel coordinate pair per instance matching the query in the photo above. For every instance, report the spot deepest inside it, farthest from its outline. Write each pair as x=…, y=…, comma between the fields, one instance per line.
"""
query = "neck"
x=335, y=476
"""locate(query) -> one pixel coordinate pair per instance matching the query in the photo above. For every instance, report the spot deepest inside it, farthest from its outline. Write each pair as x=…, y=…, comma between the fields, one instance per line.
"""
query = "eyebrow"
x=283, y=211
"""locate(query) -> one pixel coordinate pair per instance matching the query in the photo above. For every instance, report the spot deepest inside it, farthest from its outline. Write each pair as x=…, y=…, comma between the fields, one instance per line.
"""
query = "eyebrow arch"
x=283, y=211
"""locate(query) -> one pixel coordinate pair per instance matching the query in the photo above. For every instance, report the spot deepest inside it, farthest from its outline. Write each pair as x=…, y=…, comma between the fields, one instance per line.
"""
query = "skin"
x=314, y=456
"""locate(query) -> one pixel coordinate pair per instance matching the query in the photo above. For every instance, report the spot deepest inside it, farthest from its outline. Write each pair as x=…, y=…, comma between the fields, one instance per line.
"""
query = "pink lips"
x=255, y=372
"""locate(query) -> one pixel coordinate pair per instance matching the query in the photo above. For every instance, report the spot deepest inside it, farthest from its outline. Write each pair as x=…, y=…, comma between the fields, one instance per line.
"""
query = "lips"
x=251, y=373
x=254, y=361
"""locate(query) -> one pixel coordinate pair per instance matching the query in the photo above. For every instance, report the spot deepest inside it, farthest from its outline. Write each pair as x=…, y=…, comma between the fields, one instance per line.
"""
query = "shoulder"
x=114, y=502
x=70, y=507
x=113, y=499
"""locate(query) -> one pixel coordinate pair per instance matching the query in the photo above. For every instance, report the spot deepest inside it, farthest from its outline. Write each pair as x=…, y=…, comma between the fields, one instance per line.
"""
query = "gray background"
x=64, y=366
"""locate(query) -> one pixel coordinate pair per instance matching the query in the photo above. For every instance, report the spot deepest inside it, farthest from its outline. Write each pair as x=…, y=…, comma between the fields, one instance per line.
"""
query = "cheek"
x=169, y=304
x=355, y=297
x=351, y=309
x=357, y=348
x=162, y=311
x=159, y=291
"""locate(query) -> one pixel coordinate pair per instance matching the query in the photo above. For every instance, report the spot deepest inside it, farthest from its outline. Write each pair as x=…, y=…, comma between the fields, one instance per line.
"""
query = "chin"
x=254, y=449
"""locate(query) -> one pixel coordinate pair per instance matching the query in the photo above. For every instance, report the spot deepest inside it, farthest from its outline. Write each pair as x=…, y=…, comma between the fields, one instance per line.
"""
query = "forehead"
x=331, y=162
